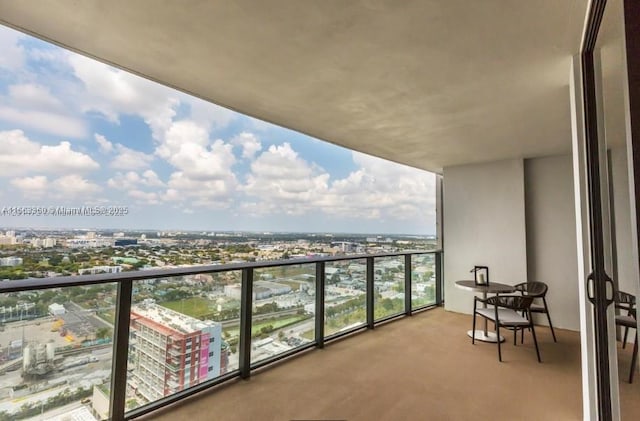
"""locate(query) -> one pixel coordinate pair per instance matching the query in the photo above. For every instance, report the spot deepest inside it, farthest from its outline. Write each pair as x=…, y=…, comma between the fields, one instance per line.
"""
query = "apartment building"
x=172, y=351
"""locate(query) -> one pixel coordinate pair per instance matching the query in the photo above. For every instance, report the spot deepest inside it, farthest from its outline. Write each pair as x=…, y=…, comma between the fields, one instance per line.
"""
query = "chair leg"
x=499, y=346
x=634, y=358
x=473, y=332
x=546, y=310
x=535, y=340
x=515, y=333
x=624, y=341
x=526, y=315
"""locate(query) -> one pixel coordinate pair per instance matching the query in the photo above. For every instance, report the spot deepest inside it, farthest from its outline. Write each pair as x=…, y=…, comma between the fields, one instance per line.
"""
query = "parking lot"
x=38, y=330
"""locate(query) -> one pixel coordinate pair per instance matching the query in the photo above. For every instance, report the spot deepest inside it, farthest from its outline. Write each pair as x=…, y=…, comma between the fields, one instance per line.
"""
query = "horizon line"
x=240, y=231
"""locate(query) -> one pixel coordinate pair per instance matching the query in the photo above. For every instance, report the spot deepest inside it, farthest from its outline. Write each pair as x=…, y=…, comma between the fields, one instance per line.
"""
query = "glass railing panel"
x=184, y=332
x=345, y=295
x=388, y=285
x=283, y=315
x=423, y=280
x=56, y=348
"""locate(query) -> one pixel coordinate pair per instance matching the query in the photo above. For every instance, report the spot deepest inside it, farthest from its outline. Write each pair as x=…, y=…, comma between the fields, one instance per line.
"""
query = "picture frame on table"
x=480, y=275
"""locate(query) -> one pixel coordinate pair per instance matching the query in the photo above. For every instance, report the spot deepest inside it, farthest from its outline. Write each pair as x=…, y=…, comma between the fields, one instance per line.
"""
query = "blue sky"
x=76, y=132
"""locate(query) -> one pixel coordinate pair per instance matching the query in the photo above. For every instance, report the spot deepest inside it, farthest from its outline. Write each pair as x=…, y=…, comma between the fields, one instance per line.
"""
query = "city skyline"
x=75, y=132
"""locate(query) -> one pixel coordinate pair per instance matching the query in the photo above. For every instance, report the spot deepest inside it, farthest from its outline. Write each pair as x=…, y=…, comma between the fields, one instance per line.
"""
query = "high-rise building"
x=172, y=351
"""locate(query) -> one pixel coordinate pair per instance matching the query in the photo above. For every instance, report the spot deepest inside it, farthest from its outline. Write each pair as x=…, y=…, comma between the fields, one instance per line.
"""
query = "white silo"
x=51, y=352
x=26, y=358
x=41, y=353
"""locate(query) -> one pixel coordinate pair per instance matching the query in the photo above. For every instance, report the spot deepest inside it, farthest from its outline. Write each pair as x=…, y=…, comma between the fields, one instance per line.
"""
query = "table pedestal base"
x=489, y=337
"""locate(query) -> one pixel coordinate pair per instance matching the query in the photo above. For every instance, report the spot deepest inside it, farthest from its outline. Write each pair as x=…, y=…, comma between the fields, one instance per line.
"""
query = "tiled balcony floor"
x=417, y=368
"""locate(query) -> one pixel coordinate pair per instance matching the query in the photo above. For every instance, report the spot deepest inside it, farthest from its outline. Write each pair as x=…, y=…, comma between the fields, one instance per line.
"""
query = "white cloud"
x=172, y=195
x=33, y=105
x=128, y=181
x=179, y=133
x=127, y=158
x=53, y=57
x=46, y=122
x=283, y=182
x=132, y=180
x=188, y=148
x=150, y=178
x=382, y=189
x=149, y=198
x=112, y=92
x=249, y=143
x=207, y=114
x=66, y=187
x=12, y=57
x=31, y=95
x=103, y=143
x=74, y=185
x=211, y=193
x=19, y=155
x=32, y=186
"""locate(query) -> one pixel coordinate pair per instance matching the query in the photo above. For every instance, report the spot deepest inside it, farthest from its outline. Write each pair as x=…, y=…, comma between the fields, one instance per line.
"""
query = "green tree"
x=103, y=333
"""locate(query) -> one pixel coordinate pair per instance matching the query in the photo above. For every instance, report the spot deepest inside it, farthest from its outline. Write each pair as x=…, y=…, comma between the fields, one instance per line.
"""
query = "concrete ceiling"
x=428, y=83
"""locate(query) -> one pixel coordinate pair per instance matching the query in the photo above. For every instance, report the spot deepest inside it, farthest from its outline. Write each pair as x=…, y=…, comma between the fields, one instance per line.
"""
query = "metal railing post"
x=407, y=285
x=120, y=350
x=320, y=281
x=438, y=270
x=244, y=345
x=370, y=293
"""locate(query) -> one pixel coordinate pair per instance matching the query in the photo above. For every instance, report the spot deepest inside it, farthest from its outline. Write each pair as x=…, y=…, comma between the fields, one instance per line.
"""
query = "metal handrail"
x=31, y=284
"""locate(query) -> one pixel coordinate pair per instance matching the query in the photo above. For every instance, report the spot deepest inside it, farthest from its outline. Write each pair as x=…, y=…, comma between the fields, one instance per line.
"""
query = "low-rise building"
x=261, y=290
x=56, y=309
x=11, y=261
x=100, y=269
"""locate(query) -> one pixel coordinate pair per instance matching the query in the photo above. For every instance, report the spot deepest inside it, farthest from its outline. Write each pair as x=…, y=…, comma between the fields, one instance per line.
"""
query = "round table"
x=492, y=288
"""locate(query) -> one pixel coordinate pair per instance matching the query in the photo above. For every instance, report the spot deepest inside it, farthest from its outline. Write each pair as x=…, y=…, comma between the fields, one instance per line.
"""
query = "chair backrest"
x=624, y=300
x=532, y=288
x=514, y=302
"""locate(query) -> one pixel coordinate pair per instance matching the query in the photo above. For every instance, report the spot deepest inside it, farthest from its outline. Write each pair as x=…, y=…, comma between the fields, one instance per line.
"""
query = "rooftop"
x=169, y=318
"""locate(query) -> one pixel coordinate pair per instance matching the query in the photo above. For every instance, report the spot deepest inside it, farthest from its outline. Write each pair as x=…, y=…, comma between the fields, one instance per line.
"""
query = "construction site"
x=45, y=359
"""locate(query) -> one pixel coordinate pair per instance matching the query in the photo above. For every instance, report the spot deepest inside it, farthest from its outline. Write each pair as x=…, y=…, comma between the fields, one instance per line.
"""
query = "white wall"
x=518, y=218
x=551, y=236
x=484, y=224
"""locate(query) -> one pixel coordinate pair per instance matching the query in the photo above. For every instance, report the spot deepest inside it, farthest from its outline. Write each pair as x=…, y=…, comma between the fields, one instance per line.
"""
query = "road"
x=87, y=315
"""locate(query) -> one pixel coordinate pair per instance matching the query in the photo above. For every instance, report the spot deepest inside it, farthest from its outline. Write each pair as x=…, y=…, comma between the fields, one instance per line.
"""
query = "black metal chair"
x=506, y=312
x=537, y=289
x=626, y=302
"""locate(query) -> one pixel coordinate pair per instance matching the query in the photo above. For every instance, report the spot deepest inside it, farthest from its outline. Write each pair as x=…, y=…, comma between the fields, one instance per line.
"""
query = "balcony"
x=510, y=108
x=394, y=365
x=419, y=367
x=321, y=308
